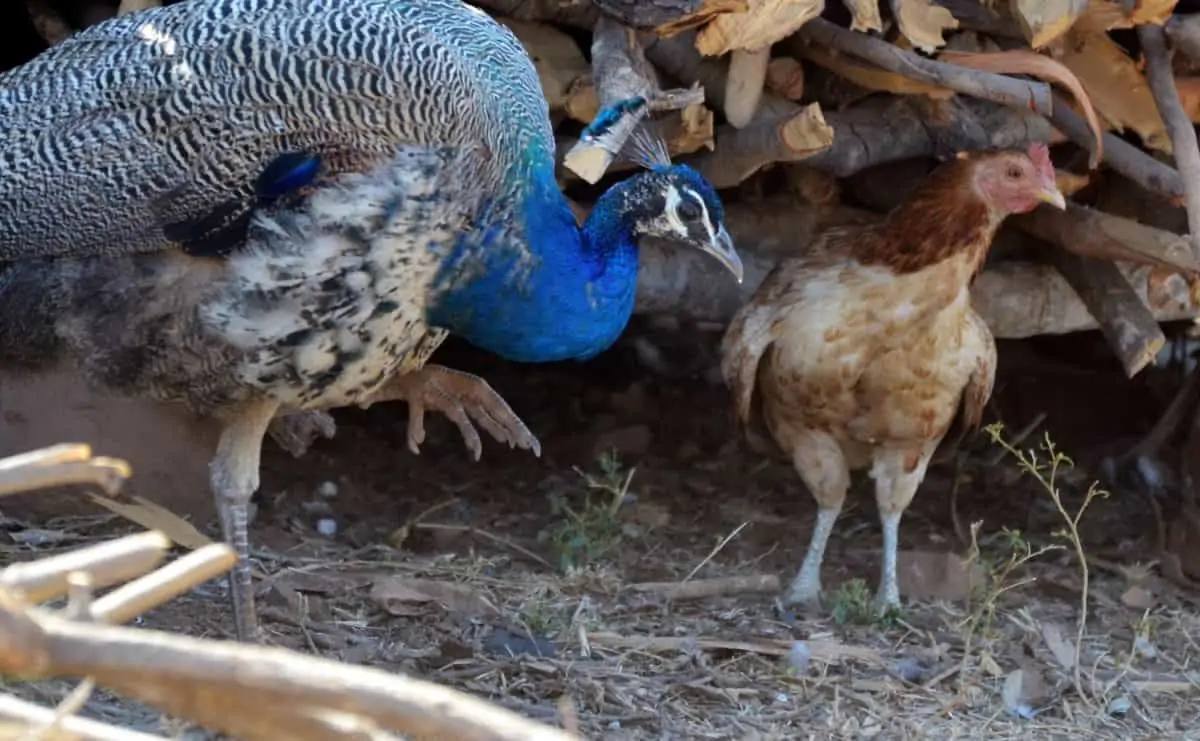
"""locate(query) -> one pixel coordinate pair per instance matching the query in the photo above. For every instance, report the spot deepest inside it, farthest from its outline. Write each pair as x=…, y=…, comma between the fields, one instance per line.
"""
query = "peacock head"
x=676, y=203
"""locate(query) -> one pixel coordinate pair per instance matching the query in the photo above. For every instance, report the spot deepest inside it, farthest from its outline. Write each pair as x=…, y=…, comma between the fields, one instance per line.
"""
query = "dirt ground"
x=475, y=576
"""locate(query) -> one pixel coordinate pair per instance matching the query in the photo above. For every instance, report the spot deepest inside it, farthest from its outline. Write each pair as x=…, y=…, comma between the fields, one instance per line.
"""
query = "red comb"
x=1040, y=155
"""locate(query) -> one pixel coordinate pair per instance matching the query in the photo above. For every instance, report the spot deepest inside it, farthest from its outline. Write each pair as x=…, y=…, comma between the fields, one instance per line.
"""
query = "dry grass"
x=445, y=571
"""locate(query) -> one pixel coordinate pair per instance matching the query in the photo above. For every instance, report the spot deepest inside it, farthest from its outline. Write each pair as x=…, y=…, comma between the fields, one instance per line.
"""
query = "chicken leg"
x=897, y=475
x=234, y=477
x=822, y=466
x=465, y=399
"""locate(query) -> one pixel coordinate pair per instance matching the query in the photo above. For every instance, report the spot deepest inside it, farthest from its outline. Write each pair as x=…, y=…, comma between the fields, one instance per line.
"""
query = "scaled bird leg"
x=297, y=431
x=897, y=475
x=818, y=459
x=234, y=476
x=463, y=398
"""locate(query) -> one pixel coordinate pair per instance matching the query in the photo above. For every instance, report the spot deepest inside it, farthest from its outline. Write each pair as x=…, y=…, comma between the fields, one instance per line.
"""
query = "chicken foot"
x=465, y=399
x=233, y=474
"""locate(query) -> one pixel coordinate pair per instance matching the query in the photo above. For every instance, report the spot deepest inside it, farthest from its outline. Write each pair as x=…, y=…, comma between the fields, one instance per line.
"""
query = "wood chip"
x=923, y=23
x=766, y=22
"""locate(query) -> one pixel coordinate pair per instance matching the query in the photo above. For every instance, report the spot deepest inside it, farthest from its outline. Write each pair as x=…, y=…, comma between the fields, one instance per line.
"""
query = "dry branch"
x=108, y=563
x=27, y=714
x=61, y=465
x=200, y=680
x=1120, y=155
x=1101, y=235
x=668, y=16
x=1130, y=328
x=1010, y=91
x=1179, y=127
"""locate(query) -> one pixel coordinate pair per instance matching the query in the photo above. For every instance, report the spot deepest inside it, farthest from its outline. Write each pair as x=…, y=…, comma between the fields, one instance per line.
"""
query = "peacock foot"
x=465, y=399
x=296, y=432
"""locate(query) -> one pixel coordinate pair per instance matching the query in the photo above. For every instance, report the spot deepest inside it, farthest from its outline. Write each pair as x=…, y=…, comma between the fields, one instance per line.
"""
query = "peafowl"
x=263, y=209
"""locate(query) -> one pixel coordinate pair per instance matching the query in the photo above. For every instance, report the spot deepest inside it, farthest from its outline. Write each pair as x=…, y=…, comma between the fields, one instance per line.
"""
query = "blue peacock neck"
x=577, y=294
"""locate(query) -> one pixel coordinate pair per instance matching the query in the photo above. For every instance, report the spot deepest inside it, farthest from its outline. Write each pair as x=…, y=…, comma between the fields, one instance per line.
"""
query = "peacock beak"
x=722, y=249
x=1052, y=195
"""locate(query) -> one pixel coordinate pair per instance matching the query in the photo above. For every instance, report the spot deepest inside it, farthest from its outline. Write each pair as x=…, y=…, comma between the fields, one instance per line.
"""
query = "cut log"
x=1129, y=327
x=744, y=84
x=922, y=23
x=766, y=22
x=789, y=138
x=864, y=15
x=1045, y=21
x=1096, y=234
x=131, y=6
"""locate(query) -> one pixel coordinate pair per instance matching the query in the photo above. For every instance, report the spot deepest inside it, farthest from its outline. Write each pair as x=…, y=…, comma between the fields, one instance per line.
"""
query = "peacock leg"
x=234, y=476
x=465, y=399
x=296, y=432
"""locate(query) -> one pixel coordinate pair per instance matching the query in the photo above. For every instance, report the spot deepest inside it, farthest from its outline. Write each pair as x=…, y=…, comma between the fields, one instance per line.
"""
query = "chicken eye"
x=689, y=211
x=1014, y=172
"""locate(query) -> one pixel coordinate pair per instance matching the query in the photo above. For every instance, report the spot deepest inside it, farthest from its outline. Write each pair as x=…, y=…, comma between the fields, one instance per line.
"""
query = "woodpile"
x=809, y=113
x=251, y=692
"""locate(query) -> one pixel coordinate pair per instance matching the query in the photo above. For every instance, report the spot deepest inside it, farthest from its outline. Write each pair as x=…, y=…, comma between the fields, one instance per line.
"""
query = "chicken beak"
x=722, y=249
x=1052, y=195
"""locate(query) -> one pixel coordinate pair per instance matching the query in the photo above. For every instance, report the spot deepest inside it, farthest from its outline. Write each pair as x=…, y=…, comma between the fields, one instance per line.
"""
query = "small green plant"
x=851, y=603
x=1043, y=465
x=586, y=534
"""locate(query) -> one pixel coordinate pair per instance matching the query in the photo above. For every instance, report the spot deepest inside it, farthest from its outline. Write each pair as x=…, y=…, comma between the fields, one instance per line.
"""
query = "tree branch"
x=1021, y=94
x=1161, y=80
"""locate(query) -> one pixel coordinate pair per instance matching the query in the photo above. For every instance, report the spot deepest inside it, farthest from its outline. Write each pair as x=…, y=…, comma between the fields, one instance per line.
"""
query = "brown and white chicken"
x=863, y=350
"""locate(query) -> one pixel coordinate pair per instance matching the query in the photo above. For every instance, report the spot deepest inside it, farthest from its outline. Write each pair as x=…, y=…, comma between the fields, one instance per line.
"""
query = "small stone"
x=327, y=489
x=327, y=526
x=799, y=656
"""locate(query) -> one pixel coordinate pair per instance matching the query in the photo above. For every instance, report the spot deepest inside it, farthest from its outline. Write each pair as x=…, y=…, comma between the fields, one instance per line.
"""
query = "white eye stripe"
x=712, y=236
x=673, y=200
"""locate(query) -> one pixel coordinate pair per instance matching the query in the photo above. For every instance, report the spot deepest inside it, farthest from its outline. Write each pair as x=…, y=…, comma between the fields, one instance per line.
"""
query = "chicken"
x=864, y=349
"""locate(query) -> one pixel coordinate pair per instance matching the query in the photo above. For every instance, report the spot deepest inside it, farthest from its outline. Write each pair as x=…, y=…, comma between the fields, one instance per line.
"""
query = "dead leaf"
x=935, y=575
x=154, y=517
x=764, y=23
x=1115, y=86
x=1016, y=690
x=1044, y=68
x=1138, y=597
x=989, y=665
x=923, y=23
x=864, y=15
x=708, y=10
x=400, y=596
x=1061, y=646
x=1045, y=21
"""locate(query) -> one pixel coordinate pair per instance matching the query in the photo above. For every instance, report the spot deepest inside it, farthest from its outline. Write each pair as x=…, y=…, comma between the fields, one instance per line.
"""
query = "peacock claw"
x=296, y=432
x=465, y=399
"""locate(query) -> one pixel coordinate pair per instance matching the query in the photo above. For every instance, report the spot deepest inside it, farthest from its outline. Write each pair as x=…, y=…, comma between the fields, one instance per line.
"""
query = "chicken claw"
x=465, y=399
x=296, y=432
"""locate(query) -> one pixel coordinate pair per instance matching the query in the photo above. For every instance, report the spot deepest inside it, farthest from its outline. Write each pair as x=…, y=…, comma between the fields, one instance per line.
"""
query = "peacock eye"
x=689, y=210
x=1014, y=172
